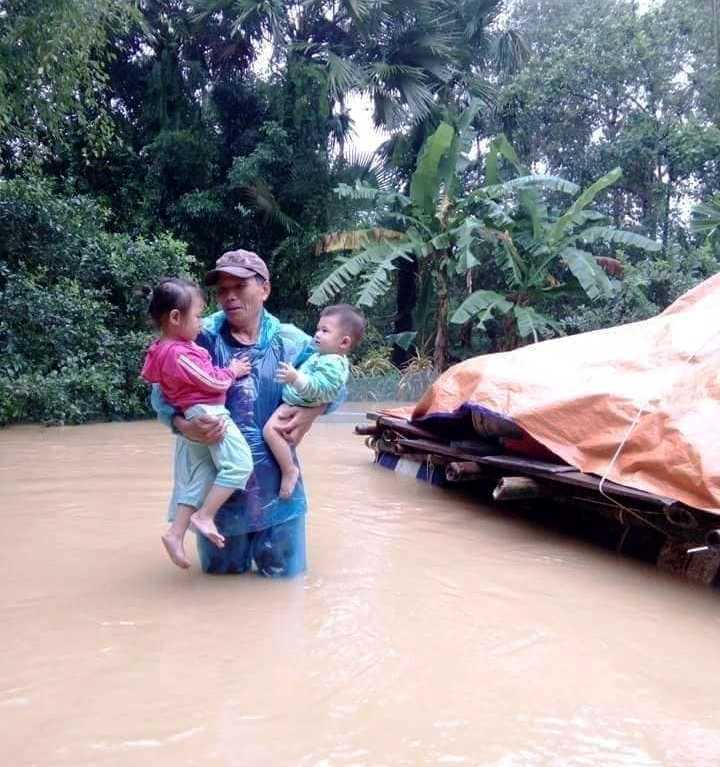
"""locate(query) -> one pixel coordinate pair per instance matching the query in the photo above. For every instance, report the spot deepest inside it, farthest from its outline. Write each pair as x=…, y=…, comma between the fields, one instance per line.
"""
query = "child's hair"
x=172, y=293
x=350, y=319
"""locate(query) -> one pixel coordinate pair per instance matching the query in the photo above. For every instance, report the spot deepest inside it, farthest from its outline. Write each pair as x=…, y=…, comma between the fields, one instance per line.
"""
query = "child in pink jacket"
x=190, y=382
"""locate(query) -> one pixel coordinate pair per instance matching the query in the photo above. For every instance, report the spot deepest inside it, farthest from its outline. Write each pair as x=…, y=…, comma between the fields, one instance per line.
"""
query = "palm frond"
x=348, y=268
x=260, y=196
x=511, y=52
x=344, y=76
x=376, y=283
x=358, y=191
x=483, y=90
x=706, y=218
x=351, y=267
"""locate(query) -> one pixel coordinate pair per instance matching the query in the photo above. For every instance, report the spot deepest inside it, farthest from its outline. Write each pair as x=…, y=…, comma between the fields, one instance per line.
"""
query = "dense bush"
x=73, y=324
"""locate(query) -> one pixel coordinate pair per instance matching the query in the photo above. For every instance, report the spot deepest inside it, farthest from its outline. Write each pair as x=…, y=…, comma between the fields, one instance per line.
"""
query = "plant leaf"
x=355, y=239
x=481, y=302
x=706, y=218
x=582, y=202
x=553, y=183
x=425, y=182
x=588, y=273
x=403, y=340
x=612, y=235
x=530, y=322
x=500, y=147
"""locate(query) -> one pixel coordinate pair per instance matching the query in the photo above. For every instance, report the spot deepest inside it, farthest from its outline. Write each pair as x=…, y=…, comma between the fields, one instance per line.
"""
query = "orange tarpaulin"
x=651, y=386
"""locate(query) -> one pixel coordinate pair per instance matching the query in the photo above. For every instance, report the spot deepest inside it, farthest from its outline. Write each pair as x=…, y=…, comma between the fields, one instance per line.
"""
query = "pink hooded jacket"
x=186, y=374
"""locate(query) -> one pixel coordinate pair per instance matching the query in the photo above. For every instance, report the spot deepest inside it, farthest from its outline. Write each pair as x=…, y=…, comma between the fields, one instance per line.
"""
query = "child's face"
x=187, y=326
x=330, y=338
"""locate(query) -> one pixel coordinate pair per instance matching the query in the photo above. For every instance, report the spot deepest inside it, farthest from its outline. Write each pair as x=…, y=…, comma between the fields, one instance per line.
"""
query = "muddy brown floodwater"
x=428, y=630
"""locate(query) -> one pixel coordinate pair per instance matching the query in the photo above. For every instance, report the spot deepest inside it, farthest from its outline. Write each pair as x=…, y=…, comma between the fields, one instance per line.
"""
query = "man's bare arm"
x=298, y=420
x=206, y=429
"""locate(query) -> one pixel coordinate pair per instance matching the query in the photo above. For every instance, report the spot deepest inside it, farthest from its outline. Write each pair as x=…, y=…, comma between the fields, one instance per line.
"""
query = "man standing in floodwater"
x=262, y=531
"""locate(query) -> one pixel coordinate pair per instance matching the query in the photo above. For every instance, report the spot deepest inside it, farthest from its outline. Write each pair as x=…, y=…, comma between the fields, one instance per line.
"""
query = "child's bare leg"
x=283, y=455
x=174, y=538
x=203, y=520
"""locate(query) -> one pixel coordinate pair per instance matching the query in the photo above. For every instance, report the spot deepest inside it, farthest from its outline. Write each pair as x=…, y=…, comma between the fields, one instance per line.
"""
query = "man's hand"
x=296, y=421
x=286, y=373
x=206, y=429
x=240, y=366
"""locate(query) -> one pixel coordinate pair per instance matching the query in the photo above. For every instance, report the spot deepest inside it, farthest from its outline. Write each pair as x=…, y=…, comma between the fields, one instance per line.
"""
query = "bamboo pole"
x=367, y=431
x=463, y=471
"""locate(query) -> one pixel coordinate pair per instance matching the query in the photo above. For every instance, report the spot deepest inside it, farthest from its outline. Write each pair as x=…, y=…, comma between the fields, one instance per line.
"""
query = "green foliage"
x=617, y=83
x=73, y=326
x=155, y=133
x=648, y=286
x=706, y=219
x=52, y=73
x=537, y=251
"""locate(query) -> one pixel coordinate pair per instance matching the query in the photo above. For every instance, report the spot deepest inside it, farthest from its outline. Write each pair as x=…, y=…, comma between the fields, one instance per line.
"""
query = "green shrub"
x=73, y=325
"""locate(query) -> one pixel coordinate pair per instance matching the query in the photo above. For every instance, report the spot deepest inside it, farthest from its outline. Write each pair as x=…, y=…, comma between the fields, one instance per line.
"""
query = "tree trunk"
x=440, y=355
x=406, y=299
x=466, y=327
x=666, y=219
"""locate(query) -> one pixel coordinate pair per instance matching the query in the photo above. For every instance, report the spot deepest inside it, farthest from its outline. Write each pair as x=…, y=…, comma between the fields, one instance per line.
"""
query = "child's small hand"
x=286, y=373
x=240, y=367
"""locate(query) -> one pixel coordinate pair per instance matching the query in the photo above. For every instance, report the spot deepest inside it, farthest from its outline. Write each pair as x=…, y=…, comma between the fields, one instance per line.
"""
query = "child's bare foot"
x=288, y=482
x=206, y=526
x=174, y=547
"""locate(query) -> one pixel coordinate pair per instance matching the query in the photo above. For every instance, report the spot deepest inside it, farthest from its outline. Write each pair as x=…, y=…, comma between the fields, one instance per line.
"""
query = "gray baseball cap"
x=238, y=263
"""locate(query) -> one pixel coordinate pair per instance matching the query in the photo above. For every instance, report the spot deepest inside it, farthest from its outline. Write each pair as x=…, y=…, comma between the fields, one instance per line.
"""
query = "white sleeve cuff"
x=301, y=382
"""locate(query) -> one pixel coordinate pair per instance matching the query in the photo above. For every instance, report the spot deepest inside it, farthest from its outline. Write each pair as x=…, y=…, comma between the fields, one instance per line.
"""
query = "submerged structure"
x=619, y=423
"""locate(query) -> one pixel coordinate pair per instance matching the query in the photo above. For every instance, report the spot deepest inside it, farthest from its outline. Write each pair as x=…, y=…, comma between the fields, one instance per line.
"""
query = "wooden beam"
x=519, y=489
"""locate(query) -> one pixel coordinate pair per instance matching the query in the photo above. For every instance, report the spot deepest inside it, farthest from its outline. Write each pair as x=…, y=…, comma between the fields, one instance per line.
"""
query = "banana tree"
x=422, y=226
x=504, y=227
x=540, y=258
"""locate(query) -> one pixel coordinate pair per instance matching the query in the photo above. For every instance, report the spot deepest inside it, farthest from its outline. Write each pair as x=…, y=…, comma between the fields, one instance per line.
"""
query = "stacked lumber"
x=483, y=459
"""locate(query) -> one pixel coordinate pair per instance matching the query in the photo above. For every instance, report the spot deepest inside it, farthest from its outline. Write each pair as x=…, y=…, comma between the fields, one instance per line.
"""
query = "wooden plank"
x=367, y=431
x=519, y=489
x=424, y=446
x=592, y=482
x=569, y=475
x=560, y=473
x=477, y=447
x=525, y=464
x=401, y=426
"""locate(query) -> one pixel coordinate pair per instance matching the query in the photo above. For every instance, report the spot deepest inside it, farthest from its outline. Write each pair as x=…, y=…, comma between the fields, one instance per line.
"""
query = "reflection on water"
x=428, y=630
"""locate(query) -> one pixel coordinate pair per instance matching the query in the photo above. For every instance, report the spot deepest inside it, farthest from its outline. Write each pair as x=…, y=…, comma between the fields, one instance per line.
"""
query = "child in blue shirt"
x=318, y=380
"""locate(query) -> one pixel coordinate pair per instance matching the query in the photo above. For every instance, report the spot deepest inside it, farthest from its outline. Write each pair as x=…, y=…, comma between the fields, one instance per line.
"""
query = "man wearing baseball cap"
x=262, y=531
